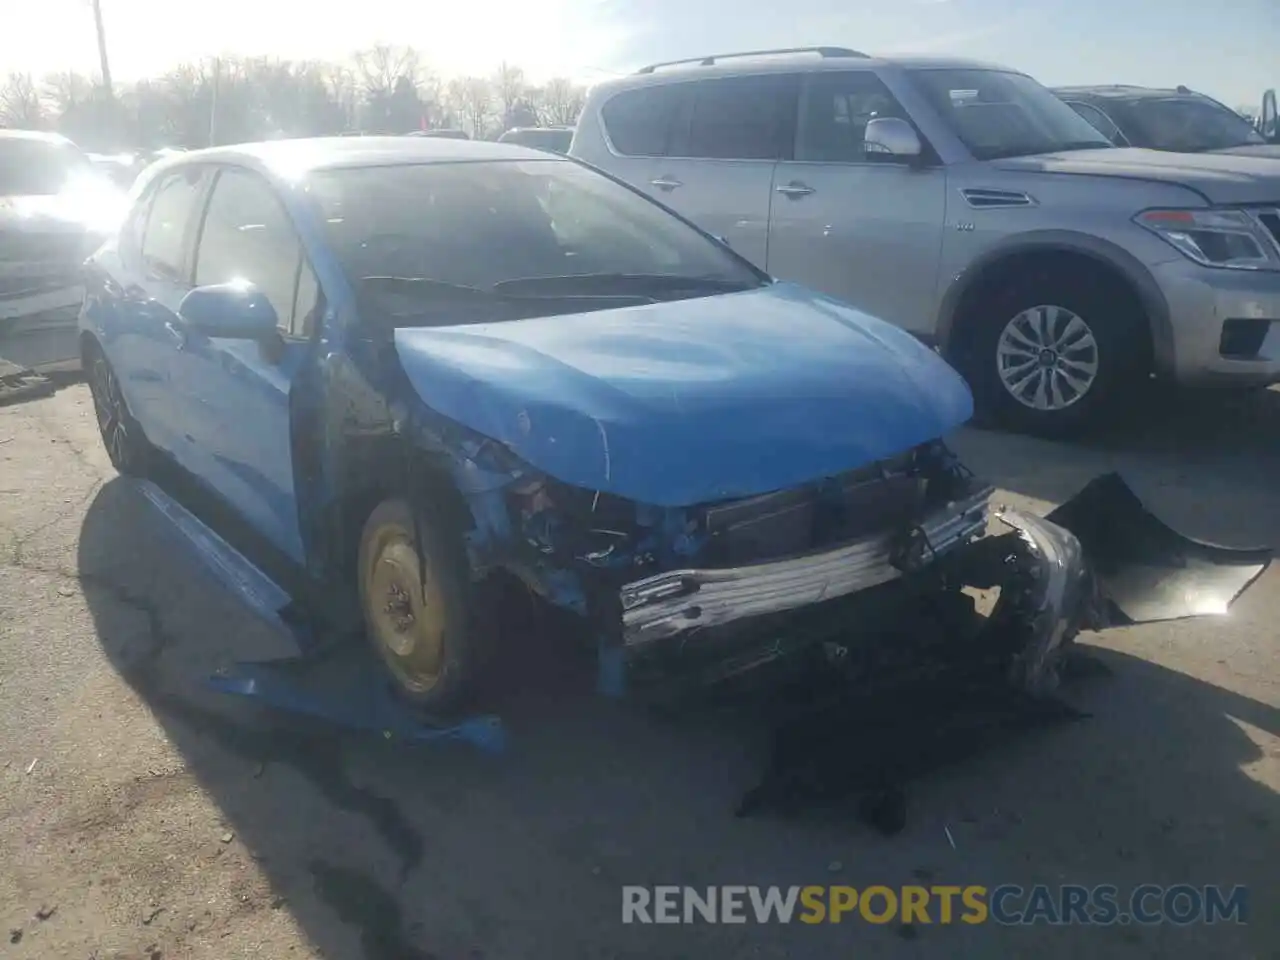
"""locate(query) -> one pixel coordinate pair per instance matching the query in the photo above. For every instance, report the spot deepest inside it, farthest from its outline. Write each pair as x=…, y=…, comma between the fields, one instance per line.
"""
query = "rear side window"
x=164, y=240
x=741, y=118
x=248, y=235
x=639, y=122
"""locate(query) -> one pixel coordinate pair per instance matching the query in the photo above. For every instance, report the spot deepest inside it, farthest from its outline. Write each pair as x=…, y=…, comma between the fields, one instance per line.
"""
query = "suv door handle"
x=794, y=189
x=666, y=183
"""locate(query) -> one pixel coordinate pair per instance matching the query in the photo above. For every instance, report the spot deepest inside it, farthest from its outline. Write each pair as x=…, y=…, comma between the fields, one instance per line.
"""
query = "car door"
x=149, y=278
x=248, y=235
x=863, y=227
x=728, y=135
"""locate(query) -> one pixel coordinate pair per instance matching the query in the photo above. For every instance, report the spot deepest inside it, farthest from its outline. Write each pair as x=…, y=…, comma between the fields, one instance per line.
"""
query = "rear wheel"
x=128, y=448
x=415, y=596
x=1051, y=354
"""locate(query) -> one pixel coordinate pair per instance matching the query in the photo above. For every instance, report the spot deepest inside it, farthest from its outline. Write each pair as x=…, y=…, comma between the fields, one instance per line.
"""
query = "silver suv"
x=969, y=205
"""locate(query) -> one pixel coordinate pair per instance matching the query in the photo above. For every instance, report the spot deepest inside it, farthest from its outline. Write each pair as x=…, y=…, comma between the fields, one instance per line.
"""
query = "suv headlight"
x=1215, y=238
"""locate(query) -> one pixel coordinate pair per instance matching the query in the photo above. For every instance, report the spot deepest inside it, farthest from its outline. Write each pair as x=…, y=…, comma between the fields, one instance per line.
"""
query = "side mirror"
x=231, y=311
x=892, y=136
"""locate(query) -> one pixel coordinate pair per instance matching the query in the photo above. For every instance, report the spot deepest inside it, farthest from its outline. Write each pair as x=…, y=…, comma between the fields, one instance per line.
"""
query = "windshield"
x=31, y=167
x=1188, y=125
x=459, y=236
x=998, y=114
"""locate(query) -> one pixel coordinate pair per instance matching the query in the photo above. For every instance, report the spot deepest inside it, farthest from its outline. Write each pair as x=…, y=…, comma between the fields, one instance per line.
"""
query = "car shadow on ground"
x=438, y=852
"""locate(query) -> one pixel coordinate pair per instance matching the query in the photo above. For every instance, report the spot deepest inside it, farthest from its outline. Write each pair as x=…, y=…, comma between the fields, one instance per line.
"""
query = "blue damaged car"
x=405, y=365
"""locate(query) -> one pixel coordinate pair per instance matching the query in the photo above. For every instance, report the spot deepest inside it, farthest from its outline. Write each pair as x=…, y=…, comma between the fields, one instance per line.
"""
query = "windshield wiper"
x=1083, y=145
x=427, y=287
x=619, y=284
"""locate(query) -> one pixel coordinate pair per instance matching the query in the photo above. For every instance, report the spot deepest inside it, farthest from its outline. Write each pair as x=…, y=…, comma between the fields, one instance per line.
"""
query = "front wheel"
x=415, y=596
x=1051, y=357
x=128, y=448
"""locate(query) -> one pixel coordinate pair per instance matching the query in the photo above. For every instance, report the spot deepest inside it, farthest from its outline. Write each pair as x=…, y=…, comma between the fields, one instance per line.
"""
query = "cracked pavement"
x=141, y=817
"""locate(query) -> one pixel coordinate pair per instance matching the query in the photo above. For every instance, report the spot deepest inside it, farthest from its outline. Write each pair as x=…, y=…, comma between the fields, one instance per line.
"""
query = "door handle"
x=794, y=189
x=177, y=333
x=666, y=183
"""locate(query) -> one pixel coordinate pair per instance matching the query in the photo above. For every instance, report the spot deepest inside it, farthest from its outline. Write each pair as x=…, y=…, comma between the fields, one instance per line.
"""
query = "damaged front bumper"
x=683, y=601
x=1099, y=560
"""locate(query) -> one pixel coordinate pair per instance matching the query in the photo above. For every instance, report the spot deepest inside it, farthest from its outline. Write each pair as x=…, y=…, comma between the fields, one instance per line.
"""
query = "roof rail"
x=715, y=58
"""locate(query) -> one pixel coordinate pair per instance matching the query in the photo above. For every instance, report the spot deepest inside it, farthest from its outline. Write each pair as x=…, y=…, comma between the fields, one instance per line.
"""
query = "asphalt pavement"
x=144, y=817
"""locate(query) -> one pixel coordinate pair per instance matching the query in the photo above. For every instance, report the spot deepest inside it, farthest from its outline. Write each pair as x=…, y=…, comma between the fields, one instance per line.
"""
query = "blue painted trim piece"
x=229, y=566
x=361, y=703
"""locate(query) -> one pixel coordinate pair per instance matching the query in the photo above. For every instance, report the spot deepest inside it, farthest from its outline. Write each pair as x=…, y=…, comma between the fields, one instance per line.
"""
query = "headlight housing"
x=1231, y=239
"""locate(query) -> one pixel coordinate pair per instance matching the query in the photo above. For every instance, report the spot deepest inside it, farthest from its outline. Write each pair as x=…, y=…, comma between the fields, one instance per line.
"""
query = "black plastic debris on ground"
x=840, y=744
x=1147, y=570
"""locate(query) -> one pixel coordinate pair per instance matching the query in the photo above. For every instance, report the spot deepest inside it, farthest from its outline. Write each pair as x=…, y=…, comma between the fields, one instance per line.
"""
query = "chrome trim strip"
x=670, y=603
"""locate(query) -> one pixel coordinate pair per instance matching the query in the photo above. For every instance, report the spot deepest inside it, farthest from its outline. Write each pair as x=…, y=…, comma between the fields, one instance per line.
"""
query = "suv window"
x=835, y=112
x=1104, y=124
x=248, y=235
x=639, y=121
x=740, y=118
x=1188, y=124
x=164, y=240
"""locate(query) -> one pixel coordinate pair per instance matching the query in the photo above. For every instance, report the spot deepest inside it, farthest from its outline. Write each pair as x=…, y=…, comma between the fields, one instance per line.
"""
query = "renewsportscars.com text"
x=1007, y=904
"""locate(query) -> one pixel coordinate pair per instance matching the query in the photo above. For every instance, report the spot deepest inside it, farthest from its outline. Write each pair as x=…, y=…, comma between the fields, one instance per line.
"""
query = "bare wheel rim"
x=108, y=404
x=404, y=607
x=1047, y=358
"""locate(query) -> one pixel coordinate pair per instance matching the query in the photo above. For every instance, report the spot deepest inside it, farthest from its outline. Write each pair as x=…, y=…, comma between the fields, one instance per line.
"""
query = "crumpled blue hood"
x=692, y=401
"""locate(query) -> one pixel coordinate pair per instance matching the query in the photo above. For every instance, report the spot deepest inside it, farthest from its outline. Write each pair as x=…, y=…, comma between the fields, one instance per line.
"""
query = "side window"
x=171, y=208
x=741, y=118
x=247, y=235
x=639, y=121
x=834, y=114
x=1098, y=120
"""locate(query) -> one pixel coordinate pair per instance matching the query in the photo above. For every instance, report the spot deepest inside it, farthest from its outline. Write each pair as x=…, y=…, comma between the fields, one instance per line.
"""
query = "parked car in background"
x=407, y=364
x=555, y=139
x=441, y=133
x=967, y=204
x=56, y=207
x=1179, y=120
x=120, y=168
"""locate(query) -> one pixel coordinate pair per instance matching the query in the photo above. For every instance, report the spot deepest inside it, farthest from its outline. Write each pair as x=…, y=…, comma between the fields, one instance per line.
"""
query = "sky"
x=1229, y=49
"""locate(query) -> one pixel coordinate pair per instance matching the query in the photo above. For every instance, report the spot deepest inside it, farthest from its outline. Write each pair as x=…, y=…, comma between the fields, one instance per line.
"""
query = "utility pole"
x=213, y=104
x=102, y=48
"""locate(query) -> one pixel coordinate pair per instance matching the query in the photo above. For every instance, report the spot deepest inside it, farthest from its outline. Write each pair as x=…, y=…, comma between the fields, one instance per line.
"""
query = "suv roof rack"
x=715, y=58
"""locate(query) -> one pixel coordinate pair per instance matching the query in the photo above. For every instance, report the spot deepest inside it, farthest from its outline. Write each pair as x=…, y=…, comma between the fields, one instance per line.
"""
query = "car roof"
x=296, y=157
x=732, y=65
x=1120, y=91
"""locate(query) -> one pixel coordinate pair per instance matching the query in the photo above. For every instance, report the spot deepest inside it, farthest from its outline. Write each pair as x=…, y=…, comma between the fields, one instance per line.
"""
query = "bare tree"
x=66, y=91
x=472, y=101
x=509, y=90
x=382, y=65
x=340, y=84
x=20, y=102
x=559, y=102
